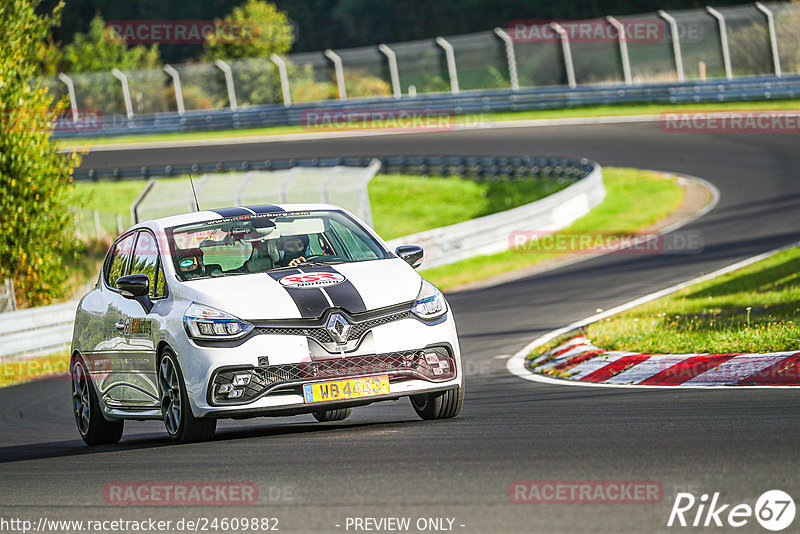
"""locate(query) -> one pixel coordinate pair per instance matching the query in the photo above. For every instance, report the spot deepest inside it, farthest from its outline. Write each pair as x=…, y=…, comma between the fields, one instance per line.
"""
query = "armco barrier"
x=37, y=331
x=48, y=329
x=466, y=102
x=490, y=234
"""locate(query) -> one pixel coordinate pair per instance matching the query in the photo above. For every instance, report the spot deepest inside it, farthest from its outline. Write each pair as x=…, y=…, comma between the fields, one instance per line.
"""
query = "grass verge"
x=590, y=111
x=401, y=204
x=754, y=309
x=635, y=199
x=17, y=371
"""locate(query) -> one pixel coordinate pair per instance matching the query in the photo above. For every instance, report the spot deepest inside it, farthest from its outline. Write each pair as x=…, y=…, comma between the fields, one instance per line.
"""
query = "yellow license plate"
x=346, y=389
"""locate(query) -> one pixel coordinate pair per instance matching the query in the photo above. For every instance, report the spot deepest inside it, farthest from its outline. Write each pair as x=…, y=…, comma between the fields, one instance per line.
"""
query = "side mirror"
x=137, y=287
x=411, y=254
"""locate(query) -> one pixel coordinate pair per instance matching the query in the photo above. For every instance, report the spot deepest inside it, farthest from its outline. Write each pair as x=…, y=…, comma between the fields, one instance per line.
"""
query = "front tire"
x=333, y=415
x=438, y=405
x=92, y=426
x=182, y=426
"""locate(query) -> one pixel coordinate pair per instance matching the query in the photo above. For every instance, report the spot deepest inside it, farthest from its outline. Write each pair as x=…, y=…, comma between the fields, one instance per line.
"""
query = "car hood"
x=367, y=285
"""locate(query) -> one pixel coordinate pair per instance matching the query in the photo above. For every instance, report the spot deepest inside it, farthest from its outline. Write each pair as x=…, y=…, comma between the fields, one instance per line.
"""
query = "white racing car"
x=258, y=311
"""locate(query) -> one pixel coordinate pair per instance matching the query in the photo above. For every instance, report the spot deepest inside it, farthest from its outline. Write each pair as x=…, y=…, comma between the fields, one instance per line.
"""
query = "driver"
x=293, y=250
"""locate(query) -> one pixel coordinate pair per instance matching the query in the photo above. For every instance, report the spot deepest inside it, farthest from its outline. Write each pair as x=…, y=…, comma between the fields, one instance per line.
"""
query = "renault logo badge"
x=338, y=328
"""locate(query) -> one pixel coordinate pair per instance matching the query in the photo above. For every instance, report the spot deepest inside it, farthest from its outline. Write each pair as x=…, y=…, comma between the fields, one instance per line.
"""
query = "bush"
x=37, y=237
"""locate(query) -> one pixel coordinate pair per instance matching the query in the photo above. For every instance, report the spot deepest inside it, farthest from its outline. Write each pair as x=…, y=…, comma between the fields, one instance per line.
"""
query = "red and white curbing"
x=579, y=360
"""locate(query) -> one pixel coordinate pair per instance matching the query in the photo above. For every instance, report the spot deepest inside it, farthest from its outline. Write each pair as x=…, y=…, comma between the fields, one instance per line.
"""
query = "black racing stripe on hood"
x=343, y=295
x=265, y=208
x=310, y=302
x=232, y=212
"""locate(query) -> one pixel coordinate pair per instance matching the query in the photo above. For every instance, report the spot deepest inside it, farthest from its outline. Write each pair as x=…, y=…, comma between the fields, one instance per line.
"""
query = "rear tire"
x=92, y=426
x=333, y=415
x=438, y=405
x=182, y=426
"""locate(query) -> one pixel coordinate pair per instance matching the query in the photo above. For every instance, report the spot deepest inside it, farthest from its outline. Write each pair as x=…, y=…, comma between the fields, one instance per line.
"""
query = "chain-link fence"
x=750, y=39
x=340, y=185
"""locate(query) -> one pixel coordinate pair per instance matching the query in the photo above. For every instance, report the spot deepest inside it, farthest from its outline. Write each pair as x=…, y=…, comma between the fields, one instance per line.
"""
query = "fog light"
x=437, y=371
x=235, y=394
x=225, y=388
x=432, y=358
x=241, y=379
x=444, y=364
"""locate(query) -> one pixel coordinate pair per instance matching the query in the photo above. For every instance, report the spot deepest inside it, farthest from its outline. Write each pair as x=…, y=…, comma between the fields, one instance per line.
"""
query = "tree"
x=35, y=178
x=102, y=50
x=272, y=33
x=99, y=51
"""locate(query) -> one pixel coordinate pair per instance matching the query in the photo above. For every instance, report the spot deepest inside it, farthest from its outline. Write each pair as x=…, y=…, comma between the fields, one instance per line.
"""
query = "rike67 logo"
x=774, y=510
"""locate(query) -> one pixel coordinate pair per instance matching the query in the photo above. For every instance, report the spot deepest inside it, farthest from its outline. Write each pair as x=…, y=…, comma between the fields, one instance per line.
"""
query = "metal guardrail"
x=465, y=102
x=491, y=234
x=37, y=331
x=48, y=329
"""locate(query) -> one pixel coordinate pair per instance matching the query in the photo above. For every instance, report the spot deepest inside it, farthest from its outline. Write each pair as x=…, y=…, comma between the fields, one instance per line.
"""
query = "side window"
x=118, y=262
x=145, y=260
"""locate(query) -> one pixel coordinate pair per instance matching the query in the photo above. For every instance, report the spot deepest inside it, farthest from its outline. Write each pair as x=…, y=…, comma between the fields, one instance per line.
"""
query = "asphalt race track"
x=383, y=462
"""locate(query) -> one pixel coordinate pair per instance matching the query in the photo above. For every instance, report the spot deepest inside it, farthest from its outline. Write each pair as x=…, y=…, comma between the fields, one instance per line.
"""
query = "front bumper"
x=396, y=349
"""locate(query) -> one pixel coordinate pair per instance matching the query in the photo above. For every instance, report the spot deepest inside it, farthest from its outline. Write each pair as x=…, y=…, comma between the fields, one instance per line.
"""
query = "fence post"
x=73, y=104
x=339, y=70
x=450, y=56
x=394, y=74
x=510, y=57
x=176, y=82
x=562, y=34
x=773, y=38
x=723, y=39
x=676, y=42
x=135, y=204
x=623, y=49
x=284, y=75
x=226, y=70
x=126, y=93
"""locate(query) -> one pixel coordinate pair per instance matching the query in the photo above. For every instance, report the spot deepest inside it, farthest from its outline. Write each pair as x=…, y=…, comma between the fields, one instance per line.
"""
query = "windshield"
x=265, y=242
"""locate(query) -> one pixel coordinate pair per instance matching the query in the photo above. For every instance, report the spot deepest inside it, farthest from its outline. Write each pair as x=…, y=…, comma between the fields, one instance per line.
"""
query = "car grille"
x=433, y=364
x=321, y=334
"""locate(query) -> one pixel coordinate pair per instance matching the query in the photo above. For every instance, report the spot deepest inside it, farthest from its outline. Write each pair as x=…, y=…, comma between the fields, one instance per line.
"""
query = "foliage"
x=35, y=178
x=102, y=50
x=272, y=33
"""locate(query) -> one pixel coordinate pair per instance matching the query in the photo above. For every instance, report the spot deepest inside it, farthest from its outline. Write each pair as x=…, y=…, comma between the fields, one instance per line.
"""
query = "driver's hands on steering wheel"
x=297, y=261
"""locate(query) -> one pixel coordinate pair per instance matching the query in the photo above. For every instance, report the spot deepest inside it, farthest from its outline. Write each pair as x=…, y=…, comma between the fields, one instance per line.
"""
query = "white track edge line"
x=516, y=364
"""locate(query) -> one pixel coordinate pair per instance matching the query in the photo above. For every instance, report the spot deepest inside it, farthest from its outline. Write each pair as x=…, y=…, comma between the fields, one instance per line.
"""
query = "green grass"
x=401, y=205
x=24, y=370
x=634, y=200
x=754, y=309
x=591, y=111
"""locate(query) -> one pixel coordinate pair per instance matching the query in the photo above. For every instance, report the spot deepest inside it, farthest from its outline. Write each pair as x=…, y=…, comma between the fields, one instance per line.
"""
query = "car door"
x=137, y=367
x=108, y=358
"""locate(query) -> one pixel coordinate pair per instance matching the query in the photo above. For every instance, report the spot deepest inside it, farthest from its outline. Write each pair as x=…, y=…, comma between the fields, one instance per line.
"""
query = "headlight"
x=205, y=322
x=430, y=302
